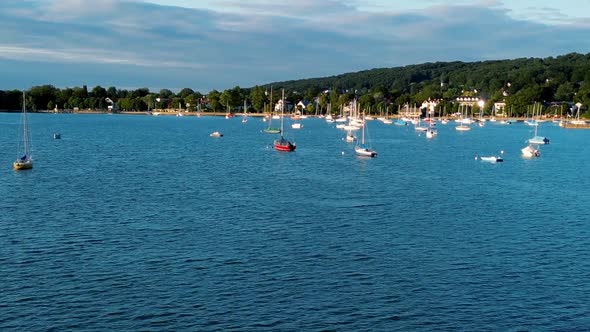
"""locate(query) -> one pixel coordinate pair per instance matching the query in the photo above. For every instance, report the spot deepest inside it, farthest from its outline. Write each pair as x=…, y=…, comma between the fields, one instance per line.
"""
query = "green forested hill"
x=520, y=82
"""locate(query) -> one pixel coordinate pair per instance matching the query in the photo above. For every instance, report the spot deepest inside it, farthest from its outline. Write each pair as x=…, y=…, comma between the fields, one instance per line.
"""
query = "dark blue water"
x=136, y=223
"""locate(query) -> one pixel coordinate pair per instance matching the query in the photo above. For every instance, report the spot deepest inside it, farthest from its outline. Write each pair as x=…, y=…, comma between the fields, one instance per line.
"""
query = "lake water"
x=138, y=223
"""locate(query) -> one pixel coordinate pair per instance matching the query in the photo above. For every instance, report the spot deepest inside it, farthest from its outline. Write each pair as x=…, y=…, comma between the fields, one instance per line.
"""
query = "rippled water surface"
x=133, y=223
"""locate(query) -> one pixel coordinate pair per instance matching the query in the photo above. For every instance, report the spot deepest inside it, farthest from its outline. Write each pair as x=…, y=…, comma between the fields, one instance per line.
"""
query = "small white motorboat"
x=491, y=159
x=216, y=134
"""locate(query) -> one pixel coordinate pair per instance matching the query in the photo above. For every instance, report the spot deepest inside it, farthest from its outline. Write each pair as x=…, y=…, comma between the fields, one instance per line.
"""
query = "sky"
x=220, y=44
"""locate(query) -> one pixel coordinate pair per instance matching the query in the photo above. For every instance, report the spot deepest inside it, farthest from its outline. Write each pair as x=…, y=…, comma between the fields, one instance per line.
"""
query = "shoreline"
x=199, y=114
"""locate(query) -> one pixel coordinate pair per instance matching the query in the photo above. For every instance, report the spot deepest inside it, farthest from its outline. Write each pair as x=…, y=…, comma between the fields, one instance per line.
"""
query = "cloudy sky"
x=219, y=44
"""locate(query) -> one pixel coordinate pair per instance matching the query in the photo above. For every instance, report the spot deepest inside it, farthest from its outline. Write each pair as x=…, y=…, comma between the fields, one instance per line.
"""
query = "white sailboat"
x=270, y=129
x=349, y=135
x=431, y=132
x=364, y=150
x=419, y=127
x=245, y=117
x=531, y=151
x=464, y=123
x=24, y=158
x=541, y=140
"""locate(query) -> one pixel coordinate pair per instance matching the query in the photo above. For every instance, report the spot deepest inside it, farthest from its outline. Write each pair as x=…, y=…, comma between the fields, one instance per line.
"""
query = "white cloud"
x=66, y=10
x=96, y=56
x=288, y=41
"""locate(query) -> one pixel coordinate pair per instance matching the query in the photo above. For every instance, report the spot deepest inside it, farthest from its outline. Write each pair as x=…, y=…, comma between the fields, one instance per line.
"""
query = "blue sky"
x=206, y=44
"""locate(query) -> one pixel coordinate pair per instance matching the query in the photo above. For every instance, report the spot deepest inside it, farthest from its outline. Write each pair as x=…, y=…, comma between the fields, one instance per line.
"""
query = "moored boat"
x=363, y=150
x=490, y=159
x=216, y=134
x=282, y=144
x=24, y=159
x=530, y=151
x=539, y=140
x=431, y=132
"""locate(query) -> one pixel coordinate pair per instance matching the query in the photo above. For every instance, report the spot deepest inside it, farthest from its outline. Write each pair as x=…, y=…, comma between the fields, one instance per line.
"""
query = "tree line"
x=519, y=83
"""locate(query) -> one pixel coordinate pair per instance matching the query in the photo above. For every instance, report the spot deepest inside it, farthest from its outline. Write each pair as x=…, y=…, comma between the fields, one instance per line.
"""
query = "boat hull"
x=285, y=148
x=272, y=131
x=20, y=165
x=539, y=140
x=365, y=152
x=530, y=152
x=492, y=159
x=284, y=145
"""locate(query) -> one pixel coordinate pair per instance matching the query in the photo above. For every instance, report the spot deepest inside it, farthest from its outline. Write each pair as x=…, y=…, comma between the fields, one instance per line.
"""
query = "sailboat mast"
x=363, y=136
x=25, y=129
x=282, y=110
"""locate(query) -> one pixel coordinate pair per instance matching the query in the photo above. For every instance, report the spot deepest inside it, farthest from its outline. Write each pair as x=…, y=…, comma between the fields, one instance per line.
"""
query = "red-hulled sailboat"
x=282, y=144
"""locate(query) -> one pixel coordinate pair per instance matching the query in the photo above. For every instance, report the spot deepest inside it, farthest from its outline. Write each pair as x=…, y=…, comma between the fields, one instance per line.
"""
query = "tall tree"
x=258, y=97
x=214, y=100
x=185, y=93
x=99, y=92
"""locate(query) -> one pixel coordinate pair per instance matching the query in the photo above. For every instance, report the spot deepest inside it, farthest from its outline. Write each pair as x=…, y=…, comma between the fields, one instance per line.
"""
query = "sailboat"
x=463, y=123
x=297, y=118
x=349, y=135
x=541, y=140
x=361, y=149
x=531, y=121
x=245, y=117
x=282, y=144
x=56, y=135
x=270, y=129
x=530, y=151
x=24, y=159
x=431, y=131
x=418, y=125
x=229, y=114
